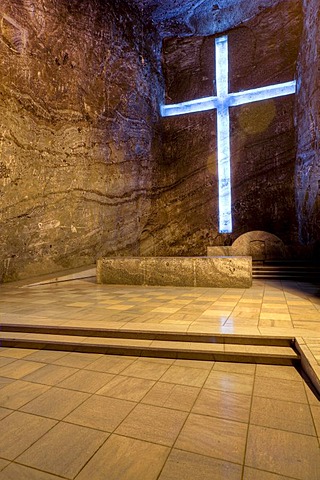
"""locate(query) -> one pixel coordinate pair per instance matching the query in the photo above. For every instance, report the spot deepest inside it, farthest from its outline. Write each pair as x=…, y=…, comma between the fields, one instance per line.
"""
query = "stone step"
x=288, y=275
x=286, y=270
x=294, y=268
x=153, y=344
x=146, y=334
x=287, y=278
x=274, y=276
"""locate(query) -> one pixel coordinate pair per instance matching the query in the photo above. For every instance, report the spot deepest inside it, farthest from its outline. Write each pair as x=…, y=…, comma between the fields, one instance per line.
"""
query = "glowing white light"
x=222, y=102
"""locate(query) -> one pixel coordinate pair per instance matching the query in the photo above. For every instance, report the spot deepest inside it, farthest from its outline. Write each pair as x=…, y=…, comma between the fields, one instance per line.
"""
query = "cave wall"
x=308, y=129
x=208, y=17
x=87, y=168
x=262, y=51
x=78, y=116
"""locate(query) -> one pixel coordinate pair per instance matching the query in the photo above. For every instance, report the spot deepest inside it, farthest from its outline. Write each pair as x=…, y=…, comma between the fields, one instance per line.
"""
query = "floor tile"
x=46, y=356
x=3, y=464
x=158, y=360
x=278, y=371
x=315, y=410
x=122, y=458
x=280, y=389
x=215, y=403
x=71, y=444
x=20, y=472
x=253, y=474
x=86, y=381
x=194, y=377
x=77, y=359
x=244, y=317
x=5, y=381
x=49, y=374
x=146, y=369
x=284, y=324
x=5, y=361
x=214, y=312
x=287, y=453
x=206, y=365
x=56, y=403
x=154, y=424
x=16, y=352
x=127, y=388
x=111, y=364
x=214, y=437
x=230, y=382
x=19, y=369
x=282, y=415
x=311, y=395
x=306, y=316
x=19, y=431
x=190, y=466
x=4, y=412
x=18, y=393
x=179, y=397
x=242, y=368
x=101, y=413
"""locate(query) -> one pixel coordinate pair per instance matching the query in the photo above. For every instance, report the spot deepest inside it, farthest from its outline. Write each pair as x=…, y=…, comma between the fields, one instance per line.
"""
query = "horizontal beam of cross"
x=231, y=100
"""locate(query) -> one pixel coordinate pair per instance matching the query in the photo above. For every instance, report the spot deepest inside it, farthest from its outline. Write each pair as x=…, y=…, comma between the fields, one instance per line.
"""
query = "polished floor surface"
x=271, y=308
x=91, y=416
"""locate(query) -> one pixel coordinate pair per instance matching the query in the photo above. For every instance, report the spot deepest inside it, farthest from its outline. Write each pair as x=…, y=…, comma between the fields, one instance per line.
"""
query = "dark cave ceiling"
x=200, y=17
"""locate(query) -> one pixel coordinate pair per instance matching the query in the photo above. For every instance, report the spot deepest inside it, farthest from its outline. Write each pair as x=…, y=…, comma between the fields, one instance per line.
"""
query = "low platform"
x=152, y=343
x=227, y=272
x=172, y=322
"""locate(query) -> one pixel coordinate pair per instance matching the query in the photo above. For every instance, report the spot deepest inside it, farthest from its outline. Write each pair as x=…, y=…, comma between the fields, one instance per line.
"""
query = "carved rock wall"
x=206, y=17
x=78, y=108
x=263, y=51
x=308, y=128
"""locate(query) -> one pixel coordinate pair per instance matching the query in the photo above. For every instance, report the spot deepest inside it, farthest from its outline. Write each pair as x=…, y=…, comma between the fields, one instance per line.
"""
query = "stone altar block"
x=227, y=272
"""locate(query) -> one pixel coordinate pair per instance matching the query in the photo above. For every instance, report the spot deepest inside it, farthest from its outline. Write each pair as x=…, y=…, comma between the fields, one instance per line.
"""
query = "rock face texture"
x=89, y=169
x=308, y=128
x=78, y=109
x=206, y=17
x=263, y=51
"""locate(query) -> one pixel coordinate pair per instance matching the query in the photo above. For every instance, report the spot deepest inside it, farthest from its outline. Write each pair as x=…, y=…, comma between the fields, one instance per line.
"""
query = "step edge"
x=148, y=334
x=147, y=348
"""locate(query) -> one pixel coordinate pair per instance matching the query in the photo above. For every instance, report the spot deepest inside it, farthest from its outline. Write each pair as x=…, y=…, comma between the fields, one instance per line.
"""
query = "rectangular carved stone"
x=121, y=271
x=233, y=272
x=175, y=271
x=228, y=272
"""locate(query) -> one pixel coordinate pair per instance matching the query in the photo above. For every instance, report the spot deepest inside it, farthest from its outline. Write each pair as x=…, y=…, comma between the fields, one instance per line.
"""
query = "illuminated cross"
x=222, y=102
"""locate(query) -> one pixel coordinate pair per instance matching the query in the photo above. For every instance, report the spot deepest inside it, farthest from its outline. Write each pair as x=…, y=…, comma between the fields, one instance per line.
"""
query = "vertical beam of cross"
x=222, y=102
x=223, y=135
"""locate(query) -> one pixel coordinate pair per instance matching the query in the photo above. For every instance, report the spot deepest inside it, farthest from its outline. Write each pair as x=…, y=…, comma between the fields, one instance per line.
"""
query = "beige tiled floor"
x=219, y=421
x=267, y=307
x=88, y=416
